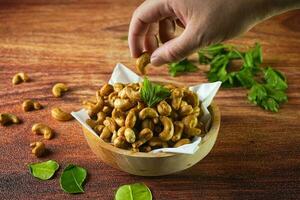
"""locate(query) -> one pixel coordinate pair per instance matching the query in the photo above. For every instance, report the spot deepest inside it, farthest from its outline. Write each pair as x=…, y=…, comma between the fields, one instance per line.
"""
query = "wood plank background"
x=78, y=42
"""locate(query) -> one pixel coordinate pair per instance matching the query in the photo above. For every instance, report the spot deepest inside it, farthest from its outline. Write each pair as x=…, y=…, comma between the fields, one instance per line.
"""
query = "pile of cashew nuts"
x=120, y=117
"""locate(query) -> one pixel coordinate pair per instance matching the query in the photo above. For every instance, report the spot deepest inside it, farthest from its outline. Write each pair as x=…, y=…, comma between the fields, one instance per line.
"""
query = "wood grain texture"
x=78, y=42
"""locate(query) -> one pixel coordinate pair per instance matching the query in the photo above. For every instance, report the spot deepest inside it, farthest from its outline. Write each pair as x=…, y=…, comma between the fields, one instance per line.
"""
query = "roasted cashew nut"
x=100, y=117
x=29, y=105
x=192, y=131
x=143, y=136
x=120, y=142
x=111, y=98
x=91, y=123
x=99, y=128
x=93, y=108
x=58, y=89
x=164, y=108
x=190, y=121
x=168, y=130
x=132, y=94
x=118, y=87
x=157, y=142
x=148, y=123
x=182, y=142
x=118, y=116
x=7, y=119
x=178, y=130
x=106, y=89
x=42, y=129
x=129, y=135
x=38, y=148
x=148, y=113
x=145, y=148
x=176, y=96
x=121, y=131
x=130, y=119
x=186, y=110
x=106, y=133
x=20, y=78
x=60, y=115
x=142, y=62
x=110, y=124
x=191, y=98
x=123, y=104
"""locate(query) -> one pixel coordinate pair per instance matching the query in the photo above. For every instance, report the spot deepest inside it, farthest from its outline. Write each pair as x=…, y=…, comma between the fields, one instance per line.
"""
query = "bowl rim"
x=215, y=124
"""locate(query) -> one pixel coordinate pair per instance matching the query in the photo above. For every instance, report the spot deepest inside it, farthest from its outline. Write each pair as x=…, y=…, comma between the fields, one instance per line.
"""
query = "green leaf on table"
x=181, y=67
x=43, y=170
x=136, y=191
x=152, y=93
x=72, y=178
x=275, y=79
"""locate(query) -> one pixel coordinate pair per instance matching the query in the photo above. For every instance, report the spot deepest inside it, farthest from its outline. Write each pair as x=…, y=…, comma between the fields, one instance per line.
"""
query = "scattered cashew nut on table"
x=7, y=119
x=59, y=89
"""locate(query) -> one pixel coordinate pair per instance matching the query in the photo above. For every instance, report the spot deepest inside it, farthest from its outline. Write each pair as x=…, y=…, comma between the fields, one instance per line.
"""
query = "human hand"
x=204, y=21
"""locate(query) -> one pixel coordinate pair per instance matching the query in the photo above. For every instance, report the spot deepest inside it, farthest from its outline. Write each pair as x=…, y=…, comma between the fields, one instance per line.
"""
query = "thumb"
x=177, y=48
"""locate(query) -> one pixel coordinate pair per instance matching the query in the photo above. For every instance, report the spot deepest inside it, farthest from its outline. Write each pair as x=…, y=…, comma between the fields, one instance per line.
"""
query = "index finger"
x=150, y=11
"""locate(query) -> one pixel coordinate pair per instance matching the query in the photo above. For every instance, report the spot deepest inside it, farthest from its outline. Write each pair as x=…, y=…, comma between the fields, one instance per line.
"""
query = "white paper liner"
x=206, y=92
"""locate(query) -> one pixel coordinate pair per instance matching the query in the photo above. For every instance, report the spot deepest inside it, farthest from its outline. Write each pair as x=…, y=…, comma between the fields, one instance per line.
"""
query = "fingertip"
x=157, y=60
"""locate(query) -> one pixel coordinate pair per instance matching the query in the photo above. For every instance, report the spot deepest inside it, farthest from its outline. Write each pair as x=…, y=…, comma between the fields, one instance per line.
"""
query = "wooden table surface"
x=257, y=153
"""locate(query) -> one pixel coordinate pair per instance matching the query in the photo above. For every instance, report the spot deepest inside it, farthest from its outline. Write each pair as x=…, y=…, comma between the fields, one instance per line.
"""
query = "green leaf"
x=257, y=93
x=152, y=93
x=245, y=77
x=137, y=191
x=72, y=178
x=182, y=67
x=270, y=104
x=275, y=79
x=43, y=170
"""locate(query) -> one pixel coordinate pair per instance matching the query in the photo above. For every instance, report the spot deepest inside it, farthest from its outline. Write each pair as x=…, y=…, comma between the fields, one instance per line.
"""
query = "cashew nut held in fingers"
x=143, y=136
x=20, y=78
x=130, y=119
x=164, y=108
x=118, y=116
x=59, y=88
x=129, y=135
x=168, y=130
x=60, y=115
x=42, y=129
x=148, y=113
x=178, y=130
x=142, y=62
x=7, y=119
x=157, y=142
x=182, y=142
x=29, y=105
x=106, y=89
x=38, y=148
x=176, y=96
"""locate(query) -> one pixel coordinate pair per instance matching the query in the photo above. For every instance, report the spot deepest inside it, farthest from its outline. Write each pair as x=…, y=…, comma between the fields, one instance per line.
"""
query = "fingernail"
x=156, y=60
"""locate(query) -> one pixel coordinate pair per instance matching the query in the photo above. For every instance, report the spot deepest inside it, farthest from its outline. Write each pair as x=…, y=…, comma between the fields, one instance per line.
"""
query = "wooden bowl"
x=153, y=164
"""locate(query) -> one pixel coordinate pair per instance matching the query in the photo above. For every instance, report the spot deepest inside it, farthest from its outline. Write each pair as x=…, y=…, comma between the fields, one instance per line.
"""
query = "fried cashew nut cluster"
x=120, y=117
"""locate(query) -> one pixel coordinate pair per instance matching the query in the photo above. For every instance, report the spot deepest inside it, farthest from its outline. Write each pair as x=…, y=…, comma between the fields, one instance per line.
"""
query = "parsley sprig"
x=267, y=85
x=152, y=93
